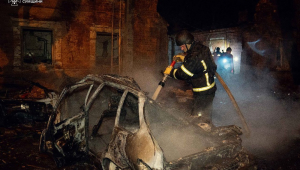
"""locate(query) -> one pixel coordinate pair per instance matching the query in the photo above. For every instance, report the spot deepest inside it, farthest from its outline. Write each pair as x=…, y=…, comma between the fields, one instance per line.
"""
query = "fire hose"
x=233, y=102
x=162, y=83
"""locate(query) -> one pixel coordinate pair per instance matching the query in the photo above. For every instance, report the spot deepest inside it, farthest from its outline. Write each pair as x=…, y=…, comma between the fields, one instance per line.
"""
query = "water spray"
x=161, y=84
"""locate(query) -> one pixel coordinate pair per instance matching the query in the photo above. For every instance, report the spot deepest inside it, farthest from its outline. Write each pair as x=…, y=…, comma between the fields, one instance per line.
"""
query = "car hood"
x=175, y=135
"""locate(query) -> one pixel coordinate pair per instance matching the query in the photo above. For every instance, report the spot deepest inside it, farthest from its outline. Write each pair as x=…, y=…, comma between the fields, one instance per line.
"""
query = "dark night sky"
x=203, y=14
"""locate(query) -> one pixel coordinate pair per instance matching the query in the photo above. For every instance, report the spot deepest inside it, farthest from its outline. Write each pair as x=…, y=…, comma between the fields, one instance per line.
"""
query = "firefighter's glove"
x=168, y=70
x=178, y=58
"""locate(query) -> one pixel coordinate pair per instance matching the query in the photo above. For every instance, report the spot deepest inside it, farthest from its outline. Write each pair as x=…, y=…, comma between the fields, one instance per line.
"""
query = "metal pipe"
x=112, y=38
x=120, y=24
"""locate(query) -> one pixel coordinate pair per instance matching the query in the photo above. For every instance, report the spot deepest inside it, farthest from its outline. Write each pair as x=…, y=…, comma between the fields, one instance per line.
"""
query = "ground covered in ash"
x=19, y=145
x=270, y=103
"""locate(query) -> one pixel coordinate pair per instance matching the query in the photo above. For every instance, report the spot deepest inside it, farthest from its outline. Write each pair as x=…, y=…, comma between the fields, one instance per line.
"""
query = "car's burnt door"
x=111, y=122
x=132, y=145
x=126, y=123
x=65, y=136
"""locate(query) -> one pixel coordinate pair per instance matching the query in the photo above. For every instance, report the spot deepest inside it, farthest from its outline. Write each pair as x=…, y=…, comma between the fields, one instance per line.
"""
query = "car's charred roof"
x=121, y=80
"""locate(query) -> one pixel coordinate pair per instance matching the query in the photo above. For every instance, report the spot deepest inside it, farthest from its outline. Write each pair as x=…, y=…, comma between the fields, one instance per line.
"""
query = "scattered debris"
x=27, y=105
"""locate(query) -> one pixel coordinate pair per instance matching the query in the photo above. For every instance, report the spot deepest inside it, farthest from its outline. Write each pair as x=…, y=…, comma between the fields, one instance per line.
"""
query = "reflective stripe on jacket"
x=198, y=68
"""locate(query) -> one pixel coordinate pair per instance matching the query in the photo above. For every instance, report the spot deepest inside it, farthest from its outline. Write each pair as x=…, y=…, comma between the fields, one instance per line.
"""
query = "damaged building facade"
x=53, y=41
x=57, y=41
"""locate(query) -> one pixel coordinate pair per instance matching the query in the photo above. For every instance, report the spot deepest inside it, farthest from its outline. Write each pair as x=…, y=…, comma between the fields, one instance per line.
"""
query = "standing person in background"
x=217, y=53
x=225, y=64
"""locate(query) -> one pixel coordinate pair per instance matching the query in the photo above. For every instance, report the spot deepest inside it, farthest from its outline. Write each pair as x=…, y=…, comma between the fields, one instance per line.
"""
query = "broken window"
x=37, y=46
x=102, y=115
x=74, y=100
x=104, y=48
x=129, y=117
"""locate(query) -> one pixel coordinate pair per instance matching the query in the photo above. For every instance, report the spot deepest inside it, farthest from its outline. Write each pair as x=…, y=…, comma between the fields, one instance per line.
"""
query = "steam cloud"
x=271, y=114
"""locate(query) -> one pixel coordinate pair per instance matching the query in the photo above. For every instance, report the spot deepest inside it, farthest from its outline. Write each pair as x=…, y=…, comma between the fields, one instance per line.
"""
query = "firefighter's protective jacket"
x=198, y=68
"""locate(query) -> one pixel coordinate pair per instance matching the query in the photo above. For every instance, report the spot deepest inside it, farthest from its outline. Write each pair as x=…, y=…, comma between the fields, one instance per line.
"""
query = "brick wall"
x=74, y=26
x=150, y=35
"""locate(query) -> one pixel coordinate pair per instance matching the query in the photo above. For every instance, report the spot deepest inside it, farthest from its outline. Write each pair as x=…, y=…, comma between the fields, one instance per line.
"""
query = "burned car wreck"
x=33, y=102
x=108, y=119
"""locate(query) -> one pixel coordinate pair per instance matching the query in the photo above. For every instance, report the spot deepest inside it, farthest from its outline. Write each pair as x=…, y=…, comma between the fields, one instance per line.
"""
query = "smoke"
x=266, y=99
x=271, y=111
x=147, y=79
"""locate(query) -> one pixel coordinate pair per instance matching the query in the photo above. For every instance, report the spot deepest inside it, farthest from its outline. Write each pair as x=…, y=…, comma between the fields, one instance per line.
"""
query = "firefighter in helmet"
x=198, y=68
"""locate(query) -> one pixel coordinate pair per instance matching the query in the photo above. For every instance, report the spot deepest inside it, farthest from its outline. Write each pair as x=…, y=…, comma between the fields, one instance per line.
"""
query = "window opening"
x=73, y=101
x=37, y=46
x=129, y=116
x=103, y=49
x=102, y=115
